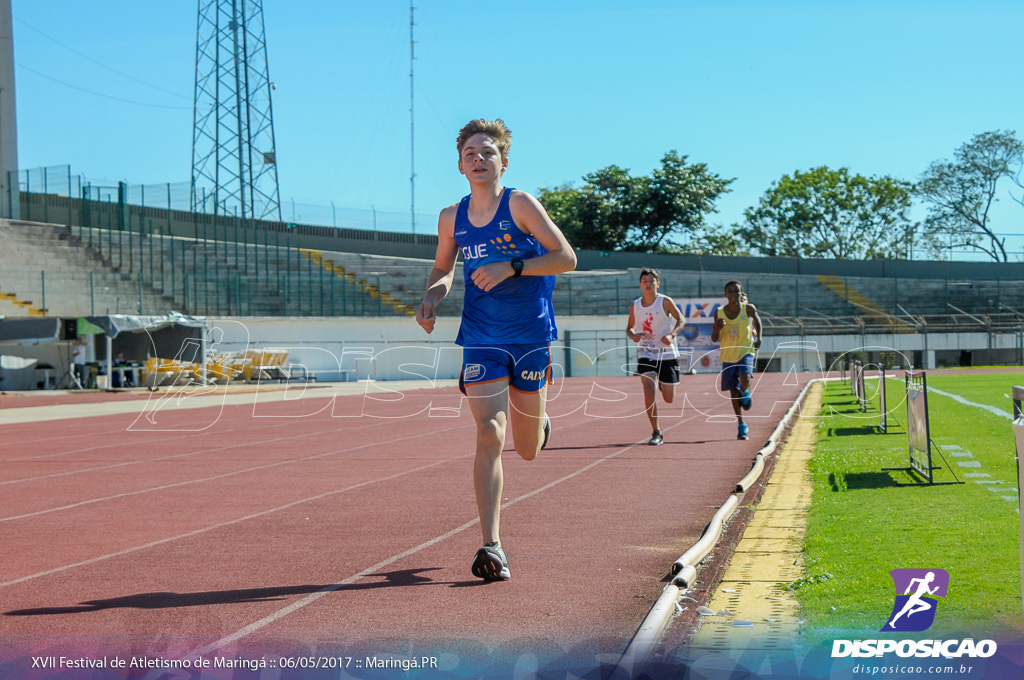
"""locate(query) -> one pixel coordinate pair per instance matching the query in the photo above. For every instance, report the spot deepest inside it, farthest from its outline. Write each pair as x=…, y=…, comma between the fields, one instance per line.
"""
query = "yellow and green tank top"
x=736, y=339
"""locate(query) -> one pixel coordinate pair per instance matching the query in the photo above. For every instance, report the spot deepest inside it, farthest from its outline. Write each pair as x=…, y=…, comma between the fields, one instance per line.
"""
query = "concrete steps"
x=46, y=262
x=48, y=269
x=864, y=305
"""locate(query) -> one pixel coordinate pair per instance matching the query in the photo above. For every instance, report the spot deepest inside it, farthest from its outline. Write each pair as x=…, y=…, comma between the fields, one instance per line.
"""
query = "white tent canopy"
x=29, y=345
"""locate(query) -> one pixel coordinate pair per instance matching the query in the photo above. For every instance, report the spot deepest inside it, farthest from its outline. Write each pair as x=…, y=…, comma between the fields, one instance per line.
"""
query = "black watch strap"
x=517, y=267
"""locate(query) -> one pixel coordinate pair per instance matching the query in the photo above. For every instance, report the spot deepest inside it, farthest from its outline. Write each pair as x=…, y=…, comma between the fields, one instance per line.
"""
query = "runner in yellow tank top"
x=738, y=330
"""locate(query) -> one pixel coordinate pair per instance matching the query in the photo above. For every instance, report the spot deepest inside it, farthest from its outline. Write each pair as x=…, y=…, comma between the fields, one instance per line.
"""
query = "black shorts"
x=667, y=369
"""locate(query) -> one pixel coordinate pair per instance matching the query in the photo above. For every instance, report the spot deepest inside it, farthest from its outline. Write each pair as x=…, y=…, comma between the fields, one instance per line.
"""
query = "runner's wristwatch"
x=517, y=267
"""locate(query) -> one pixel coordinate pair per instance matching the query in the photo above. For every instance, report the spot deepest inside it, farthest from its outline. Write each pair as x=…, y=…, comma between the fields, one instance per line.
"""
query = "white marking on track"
x=310, y=599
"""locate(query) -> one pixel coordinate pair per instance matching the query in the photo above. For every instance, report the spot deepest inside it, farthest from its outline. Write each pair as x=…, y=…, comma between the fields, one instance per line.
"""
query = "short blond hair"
x=494, y=128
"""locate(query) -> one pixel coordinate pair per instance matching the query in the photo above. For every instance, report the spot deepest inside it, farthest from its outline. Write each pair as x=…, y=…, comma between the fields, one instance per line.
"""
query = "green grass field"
x=866, y=520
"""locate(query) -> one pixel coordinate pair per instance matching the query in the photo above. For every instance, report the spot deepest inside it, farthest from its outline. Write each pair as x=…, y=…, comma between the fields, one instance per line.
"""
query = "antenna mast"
x=234, y=156
x=412, y=119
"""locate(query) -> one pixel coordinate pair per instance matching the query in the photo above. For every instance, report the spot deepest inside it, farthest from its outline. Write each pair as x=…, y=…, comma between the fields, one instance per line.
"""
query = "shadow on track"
x=169, y=600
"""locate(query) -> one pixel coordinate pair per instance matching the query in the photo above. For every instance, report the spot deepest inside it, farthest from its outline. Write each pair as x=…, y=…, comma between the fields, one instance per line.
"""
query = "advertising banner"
x=919, y=437
x=697, y=352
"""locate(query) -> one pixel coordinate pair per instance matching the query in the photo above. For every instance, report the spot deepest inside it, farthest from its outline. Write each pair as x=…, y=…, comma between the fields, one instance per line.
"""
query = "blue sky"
x=753, y=89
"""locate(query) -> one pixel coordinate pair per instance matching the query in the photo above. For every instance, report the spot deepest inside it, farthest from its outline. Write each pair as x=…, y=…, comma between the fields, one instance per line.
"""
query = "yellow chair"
x=160, y=371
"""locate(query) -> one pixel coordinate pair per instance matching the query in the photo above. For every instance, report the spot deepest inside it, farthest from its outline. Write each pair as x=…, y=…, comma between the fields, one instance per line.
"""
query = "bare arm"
x=755, y=323
x=630, y=330
x=530, y=216
x=673, y=311
x=717, y=328
x=439, y=282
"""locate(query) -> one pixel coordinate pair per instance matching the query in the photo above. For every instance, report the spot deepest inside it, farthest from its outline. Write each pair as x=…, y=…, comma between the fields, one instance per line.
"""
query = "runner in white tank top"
x=654, y=322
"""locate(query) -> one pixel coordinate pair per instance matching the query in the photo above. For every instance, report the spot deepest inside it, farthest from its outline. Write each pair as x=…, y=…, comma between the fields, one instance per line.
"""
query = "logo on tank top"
x=474, y=252
x=504, y=243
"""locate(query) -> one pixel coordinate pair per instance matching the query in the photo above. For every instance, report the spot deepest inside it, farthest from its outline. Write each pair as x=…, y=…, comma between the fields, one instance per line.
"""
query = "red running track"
x=344, y=526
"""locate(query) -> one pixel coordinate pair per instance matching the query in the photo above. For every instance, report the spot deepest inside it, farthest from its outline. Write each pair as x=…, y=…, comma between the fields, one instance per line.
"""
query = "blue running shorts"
x=526, y=366
x=731, y=372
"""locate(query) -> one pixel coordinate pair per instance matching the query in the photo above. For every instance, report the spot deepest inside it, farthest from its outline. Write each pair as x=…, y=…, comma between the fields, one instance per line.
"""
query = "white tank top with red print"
x=654, y=324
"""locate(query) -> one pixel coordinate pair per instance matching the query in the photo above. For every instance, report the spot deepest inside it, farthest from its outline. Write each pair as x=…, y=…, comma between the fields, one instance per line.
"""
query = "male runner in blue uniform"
x=511, y=251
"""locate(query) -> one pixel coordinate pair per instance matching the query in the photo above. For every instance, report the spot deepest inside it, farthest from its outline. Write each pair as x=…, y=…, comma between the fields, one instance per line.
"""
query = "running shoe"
x=656, y=438
x=490, y=563
x=547, y=430
x=745, y=400
x=744, y=432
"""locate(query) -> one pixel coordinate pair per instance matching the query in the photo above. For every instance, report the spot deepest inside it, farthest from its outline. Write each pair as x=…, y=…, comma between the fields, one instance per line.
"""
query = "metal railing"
x=217, y=264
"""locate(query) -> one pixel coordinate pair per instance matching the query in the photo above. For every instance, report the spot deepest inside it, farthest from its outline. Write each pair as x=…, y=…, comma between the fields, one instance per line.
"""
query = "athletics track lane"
x=301, y=527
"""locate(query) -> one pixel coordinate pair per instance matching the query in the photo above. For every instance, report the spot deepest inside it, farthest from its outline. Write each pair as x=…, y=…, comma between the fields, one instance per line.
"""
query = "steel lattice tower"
x=234, y=158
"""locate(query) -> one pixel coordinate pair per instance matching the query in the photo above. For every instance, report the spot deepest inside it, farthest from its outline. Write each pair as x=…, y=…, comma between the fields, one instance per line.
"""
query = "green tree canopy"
x=614, y=210
x=831, y=213
x=712, y=240
x=961, y=192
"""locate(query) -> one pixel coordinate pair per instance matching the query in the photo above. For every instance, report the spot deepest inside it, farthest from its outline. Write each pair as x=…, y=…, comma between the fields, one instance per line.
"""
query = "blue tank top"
x=517, y=310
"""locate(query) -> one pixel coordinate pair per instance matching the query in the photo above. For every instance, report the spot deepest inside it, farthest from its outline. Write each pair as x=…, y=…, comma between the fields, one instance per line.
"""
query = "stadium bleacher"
x=64, y=271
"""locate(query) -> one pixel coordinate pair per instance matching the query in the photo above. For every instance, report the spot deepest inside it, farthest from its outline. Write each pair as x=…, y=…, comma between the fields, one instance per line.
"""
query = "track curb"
x=647, y=637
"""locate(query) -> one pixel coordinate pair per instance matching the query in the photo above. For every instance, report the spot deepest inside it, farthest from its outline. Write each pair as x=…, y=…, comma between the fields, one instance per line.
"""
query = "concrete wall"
x=346, y=348
x=395, y=348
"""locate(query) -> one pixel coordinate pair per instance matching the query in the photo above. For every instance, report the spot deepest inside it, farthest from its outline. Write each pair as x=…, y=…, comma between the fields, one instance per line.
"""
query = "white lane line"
x=144, y=461
x=991, y=409
x=202, y=480
x=176, y=456
x=243, y=426
x=221, y=525
x=197, y=532
x=310, y=599
x=958, y=398
x=255, y=395
x=107, y=446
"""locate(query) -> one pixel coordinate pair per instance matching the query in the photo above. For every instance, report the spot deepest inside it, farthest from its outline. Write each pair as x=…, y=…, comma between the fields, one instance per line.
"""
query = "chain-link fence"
x=158, y=255
x=50, y=187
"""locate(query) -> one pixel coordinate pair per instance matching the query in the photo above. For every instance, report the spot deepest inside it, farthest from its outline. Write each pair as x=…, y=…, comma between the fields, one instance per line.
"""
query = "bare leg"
x=526, y=418
x=737, y=409
x=650, y=401
x=489, y=405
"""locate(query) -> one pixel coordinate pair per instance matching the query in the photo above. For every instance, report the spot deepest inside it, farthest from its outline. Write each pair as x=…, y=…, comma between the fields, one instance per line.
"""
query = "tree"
x=617, y=211
x=831, y=213
x=962, y=191
x=713, y=240
x=584, y=216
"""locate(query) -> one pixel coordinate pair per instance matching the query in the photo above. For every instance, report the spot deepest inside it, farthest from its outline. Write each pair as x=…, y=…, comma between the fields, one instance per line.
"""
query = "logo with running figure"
x=915, y=606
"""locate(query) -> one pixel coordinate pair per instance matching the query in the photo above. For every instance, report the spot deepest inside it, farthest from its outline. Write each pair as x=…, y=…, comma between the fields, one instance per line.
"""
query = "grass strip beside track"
x=992, y=390
x=865, y=520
